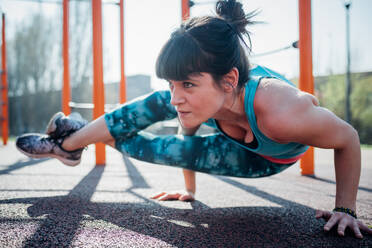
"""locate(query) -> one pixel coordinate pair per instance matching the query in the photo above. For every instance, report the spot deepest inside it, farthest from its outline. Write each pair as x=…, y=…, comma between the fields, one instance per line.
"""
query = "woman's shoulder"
x=276, y=102
x=274, y=94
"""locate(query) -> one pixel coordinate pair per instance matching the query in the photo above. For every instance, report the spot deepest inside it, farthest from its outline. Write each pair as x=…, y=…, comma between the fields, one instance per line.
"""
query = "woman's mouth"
x=183, y=113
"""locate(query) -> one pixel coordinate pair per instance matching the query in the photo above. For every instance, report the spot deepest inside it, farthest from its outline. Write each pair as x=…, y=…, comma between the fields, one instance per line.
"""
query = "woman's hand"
x=342, y=221
x=176, y=195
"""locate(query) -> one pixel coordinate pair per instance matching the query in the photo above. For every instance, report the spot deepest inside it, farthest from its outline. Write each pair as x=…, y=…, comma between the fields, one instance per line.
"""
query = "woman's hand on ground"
x=176, y=195
x=342, y=221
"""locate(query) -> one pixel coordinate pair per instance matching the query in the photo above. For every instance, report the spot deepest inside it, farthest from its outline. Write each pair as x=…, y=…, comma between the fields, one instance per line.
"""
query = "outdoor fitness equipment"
x=4, y=87
x=98, y=86
x=306, y=80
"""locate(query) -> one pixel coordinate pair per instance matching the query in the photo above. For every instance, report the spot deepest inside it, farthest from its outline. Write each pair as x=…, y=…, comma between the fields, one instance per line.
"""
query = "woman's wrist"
x=341, y=201
x=348, y=211
x=190, y=192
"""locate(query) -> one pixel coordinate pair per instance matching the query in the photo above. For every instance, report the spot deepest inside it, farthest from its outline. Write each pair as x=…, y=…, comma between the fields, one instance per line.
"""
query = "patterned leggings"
x=212, y=154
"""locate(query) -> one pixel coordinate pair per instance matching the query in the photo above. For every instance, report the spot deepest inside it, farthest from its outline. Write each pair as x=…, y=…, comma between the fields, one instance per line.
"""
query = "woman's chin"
x=187, y=124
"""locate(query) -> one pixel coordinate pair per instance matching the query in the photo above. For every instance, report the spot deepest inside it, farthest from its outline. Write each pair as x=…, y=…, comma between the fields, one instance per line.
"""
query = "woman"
x=265, y=124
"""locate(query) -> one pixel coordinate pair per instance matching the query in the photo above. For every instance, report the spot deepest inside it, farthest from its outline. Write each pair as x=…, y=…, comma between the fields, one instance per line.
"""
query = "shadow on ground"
x=20, y=164
x=74, y=220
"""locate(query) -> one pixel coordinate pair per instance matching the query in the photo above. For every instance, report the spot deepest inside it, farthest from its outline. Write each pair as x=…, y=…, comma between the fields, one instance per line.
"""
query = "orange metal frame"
x=306, y=66
x=98, y=85
x=306, y=80
x=123, y=92
x=305, y=46
x=185, y=10
x=98, y=89
x=4, y=88
x=66, y=93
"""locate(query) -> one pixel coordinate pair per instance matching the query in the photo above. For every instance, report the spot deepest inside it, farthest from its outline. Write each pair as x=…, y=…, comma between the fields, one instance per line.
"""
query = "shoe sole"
x=52, y=127
x=65, y=161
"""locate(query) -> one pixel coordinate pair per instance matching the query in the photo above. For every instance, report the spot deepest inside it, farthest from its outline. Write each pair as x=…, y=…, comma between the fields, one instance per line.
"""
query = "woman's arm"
x=296, y=117
x=190, y=185
x=318, y=127
x=189, y=176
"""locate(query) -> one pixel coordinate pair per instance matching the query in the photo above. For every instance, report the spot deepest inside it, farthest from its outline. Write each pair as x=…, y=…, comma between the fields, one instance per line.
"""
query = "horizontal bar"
x=81, y=105
x=75, y=105
x=60, y=1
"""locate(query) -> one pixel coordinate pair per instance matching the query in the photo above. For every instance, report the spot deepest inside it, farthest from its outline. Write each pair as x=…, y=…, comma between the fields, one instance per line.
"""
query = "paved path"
x=44, y=203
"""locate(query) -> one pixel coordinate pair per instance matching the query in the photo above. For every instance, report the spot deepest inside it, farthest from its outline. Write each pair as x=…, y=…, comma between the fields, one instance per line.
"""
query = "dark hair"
x=209, y=44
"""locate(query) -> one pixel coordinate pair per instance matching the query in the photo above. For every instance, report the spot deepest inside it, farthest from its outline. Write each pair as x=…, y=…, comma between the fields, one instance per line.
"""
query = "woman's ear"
x=228, y=87
x=231, y=79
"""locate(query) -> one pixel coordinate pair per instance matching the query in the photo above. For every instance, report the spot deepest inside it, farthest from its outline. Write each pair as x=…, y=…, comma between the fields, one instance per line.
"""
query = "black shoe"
x=40, y=146
x=61, y=126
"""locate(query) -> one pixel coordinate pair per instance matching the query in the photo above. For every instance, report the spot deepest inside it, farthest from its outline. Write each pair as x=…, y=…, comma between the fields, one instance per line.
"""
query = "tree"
x=80, y=43
x=35, y=67
x=361, y=102
x=32, y=62
x=332, y=96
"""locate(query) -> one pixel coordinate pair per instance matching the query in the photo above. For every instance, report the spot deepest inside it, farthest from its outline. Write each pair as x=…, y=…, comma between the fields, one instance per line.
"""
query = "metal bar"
x=108, y=107
x=81, y=105
x=306, y=80
x=98, y=89
x=272, y=51
x=39, y=1
x=4, y=84
x=66, y=91
x=348, y=114
x=185, y=10
x=61, y=1
x=103, y=2
x=123, y=93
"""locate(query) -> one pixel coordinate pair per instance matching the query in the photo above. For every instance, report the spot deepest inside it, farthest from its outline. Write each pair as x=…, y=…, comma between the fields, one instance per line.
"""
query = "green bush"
x=331, y=93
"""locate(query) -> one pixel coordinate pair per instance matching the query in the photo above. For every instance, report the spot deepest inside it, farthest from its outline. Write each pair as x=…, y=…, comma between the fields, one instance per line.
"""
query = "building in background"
x=137, y=85
x=31, y=112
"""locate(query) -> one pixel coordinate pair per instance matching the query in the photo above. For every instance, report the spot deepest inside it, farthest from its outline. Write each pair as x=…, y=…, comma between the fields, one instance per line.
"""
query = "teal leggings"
x=212, y=154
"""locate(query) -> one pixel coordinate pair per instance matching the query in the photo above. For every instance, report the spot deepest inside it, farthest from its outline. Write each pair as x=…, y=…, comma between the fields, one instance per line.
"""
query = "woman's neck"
x=233, y=109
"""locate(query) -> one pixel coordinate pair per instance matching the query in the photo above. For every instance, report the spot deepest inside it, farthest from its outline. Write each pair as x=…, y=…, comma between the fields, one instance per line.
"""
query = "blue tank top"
x=265, y=146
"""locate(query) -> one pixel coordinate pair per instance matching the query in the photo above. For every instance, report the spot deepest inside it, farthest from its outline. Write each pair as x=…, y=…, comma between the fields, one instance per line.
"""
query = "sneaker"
x=62, y=126
x=37, y=145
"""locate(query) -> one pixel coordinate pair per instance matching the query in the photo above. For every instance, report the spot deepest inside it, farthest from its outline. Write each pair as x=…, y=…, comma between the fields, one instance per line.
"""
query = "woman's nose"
x=176, y=97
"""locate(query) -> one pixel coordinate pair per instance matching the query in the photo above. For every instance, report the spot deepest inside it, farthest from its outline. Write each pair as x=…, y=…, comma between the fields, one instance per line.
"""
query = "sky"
x=148, y=24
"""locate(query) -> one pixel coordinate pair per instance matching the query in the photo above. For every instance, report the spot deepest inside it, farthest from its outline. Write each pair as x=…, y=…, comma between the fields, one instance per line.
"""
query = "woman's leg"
x=212, y=154
x=95, y=131
x=123, y=122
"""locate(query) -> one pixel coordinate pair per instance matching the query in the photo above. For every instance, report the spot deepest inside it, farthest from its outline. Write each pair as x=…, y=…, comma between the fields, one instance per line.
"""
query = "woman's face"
x=196, y=99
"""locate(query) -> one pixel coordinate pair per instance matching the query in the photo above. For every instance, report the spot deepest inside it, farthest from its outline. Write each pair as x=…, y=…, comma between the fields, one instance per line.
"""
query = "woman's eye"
x=187, y=84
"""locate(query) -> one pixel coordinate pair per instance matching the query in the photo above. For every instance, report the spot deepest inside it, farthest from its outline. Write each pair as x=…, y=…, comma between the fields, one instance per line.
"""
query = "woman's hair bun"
x=232, y=11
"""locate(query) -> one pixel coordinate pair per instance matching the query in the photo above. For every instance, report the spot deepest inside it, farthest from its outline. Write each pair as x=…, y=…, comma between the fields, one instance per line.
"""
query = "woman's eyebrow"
x=195, y=78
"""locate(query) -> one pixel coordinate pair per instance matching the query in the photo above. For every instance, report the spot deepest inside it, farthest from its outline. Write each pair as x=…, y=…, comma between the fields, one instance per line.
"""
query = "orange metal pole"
x=123, y=93
x=66, y=91
x=306, y=80
x=98, y=89
x=185, y=9
x=4, y=87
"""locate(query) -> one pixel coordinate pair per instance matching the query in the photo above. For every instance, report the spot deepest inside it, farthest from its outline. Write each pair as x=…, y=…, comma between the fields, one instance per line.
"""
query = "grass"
x=12, y=138
x=366, y=146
